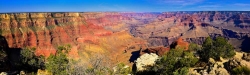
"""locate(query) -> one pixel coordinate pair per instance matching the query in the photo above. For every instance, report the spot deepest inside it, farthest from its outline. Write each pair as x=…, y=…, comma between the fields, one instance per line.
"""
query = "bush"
x=241, y=71
x=30, y=61
x=3, y=57
x=100, y=65
x=176, y=61
x=194, y=47
x=216, y=48
x=181, y=71
x=122, y=69
x=57, y=64
x=2, y=54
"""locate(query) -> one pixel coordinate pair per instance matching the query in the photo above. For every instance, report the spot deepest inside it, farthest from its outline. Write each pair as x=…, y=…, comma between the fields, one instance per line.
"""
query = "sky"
x=122, y=5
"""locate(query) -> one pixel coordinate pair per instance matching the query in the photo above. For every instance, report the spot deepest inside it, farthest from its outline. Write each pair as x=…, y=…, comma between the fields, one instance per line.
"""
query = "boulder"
x=43, y=72
x=3, y=73
x=22, y=73
x=146, y=60
x=218, y=69
x=234, y=62
x=246, y=56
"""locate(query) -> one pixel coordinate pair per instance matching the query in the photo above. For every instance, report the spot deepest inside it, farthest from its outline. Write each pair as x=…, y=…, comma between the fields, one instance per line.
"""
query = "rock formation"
x=213, y=68
x=246, y=56
x=46, y=31
x=146, y=60
x=194, y=27
x=222, y=67
x=157, y=50
x=179, y=43
x=42, y=30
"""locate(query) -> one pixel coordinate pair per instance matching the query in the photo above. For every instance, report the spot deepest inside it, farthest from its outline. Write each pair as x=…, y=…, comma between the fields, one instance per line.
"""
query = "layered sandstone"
x=46, y=31
x=194, y=27
x=114, y=31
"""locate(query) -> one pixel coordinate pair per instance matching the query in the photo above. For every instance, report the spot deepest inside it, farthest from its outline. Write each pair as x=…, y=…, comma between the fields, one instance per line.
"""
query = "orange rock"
x=180, y=43
x=162, y=50
x=157, y=50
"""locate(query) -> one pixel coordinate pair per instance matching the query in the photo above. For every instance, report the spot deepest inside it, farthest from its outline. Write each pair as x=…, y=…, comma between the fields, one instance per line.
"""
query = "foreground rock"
x=246, y=56
x=222, y=67
x=146, y=60
x=213, y=68
x=237, y=61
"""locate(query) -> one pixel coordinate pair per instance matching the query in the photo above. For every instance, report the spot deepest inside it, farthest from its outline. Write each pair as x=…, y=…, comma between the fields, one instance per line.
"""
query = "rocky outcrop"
x=236, y=61
x=145, y=60
x=222, y=67
x=3, y=73
x=213, y=68
x=217, y=68
x=43, y=72
x=157, y=50
x=179, y=43
x=246, y=56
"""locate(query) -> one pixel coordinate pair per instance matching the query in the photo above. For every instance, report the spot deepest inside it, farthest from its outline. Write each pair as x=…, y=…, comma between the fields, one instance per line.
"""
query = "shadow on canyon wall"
x=135, y=55
x=245, y=45
x=12, y=59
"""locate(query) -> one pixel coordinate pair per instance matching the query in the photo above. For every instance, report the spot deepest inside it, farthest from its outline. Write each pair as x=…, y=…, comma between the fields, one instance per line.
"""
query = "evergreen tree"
x=216, y=48
x=57, y=64
x=30, y=61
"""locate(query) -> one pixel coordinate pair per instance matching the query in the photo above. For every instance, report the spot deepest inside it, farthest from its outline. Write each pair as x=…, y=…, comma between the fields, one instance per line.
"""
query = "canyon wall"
x=47, y=31
x=114, y=31
x=195, y=27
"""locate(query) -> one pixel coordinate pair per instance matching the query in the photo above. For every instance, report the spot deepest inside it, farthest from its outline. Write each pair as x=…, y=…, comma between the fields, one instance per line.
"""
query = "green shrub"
x=122, y=69
x=2, y=54
x=194, y=47
x=176, y=61
x=242, y=70
x=30, y=61
x=57, y=64
x=181, y=71
x=216, y=48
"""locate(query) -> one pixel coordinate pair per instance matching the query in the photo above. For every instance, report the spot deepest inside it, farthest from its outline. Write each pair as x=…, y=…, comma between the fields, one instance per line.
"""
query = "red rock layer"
x=179, y=43
x=46, y=31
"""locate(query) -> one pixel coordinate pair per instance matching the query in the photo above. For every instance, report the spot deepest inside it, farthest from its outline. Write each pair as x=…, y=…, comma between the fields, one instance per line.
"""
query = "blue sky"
x=122, y=5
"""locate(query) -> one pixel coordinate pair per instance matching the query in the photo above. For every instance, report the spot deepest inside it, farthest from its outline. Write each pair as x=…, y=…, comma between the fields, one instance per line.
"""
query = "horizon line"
x=126, y=11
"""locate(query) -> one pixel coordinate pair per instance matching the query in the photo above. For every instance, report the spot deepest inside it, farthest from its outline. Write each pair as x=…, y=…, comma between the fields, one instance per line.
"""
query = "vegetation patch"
x=241, y=70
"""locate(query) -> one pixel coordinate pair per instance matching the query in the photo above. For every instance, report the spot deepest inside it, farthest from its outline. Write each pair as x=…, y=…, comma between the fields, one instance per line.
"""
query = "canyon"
x=120, y=33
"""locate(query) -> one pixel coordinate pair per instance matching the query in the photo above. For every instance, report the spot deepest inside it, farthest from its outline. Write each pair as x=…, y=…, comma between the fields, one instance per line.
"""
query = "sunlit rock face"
x=46, y=31
x=146, y=60
x=194, y=27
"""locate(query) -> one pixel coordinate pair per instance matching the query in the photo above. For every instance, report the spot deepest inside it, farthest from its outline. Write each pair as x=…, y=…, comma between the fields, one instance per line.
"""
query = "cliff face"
x=98, y=31
x=194, y=27
x=46, y=31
